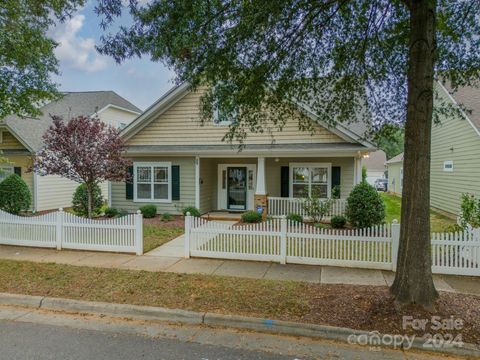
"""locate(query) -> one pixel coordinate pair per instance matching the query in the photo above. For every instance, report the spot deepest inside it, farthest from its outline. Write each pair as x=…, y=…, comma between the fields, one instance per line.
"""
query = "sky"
x=82, y=68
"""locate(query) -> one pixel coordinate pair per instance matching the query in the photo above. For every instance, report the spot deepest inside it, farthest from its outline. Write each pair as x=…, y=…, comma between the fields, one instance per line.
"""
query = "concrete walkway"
x=168, y=259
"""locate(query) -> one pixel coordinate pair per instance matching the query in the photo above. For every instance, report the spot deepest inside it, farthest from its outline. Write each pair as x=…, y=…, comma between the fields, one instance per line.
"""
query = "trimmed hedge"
x=365, y=207
x=15, y=195
x=251, y=217
x=192, y=210
x=80, y=200
x=148, y=211
x=338, y=222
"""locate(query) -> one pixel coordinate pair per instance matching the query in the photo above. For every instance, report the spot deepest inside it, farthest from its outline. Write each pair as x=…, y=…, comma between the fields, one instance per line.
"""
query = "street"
x=28, y=333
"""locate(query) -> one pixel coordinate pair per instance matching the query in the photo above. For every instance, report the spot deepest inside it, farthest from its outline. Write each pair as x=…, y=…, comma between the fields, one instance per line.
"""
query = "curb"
x=211, y=319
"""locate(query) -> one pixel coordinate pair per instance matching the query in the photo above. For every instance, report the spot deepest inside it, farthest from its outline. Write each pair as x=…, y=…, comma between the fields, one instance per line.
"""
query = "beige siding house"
x=179, y=162
x=21, y=138
x=455, y=165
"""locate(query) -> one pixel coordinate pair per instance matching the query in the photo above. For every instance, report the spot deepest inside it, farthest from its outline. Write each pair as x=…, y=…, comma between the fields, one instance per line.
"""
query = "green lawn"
x=156, y=235
x=439, y=222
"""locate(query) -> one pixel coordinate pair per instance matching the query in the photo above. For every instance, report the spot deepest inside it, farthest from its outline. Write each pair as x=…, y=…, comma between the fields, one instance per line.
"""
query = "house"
x=375, y=165
x=455, y=159
x=395, y=174
x=178, y=161
x=21, y=138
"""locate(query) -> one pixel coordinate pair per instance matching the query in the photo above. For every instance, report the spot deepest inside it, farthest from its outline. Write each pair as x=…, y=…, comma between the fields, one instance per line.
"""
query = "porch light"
x=277, y=159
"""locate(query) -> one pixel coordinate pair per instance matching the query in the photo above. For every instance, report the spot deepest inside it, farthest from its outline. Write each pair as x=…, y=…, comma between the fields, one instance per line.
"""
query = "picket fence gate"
x=63, y=230
x=284, y=241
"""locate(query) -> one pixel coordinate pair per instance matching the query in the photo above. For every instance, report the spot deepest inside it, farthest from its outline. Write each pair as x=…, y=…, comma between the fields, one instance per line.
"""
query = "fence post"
x=139, y=233
x=395, y=243
x=58, y=227
x=188, y=226
x=283, y=240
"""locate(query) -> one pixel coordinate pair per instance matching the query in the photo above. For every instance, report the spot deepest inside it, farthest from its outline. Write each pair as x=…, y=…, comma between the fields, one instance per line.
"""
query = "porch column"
x=358, y=169
x=197, y=182
x=261, y=198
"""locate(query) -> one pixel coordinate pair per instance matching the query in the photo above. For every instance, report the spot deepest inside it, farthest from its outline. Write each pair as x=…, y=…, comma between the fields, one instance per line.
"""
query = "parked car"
x=381, y=184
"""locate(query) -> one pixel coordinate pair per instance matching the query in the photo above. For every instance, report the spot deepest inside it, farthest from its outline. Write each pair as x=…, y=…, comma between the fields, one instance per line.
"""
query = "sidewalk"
x=168, y=258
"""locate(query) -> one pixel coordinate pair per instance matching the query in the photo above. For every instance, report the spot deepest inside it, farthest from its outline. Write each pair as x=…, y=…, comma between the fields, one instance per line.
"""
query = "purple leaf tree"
x=84, y=150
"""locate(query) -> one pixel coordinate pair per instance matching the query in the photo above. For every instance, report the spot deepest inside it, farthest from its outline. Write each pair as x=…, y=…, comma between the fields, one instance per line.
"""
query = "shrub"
x=470, y=211
x=80, y=200
x=295, y=218
x=111, y=212
x=166, y=217
x=148, y=211
x=15, y=195
x=192, y=210
x=316, y=209
x=336, y=192
x=338, y=222
x=365, y=207
x=251, y=217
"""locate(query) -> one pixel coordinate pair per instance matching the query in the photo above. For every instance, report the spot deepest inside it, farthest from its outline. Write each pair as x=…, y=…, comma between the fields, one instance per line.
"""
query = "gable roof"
x=375, y=161
x=395, y=159
x=352, y=132
x=469, y=97
x=30, y=130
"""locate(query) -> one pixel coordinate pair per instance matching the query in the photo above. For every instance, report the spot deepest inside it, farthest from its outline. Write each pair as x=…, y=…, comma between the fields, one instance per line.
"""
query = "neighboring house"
x=455, y=162
x=375, y=165
x=395, y=174
x=179, y=161
x=21, y=138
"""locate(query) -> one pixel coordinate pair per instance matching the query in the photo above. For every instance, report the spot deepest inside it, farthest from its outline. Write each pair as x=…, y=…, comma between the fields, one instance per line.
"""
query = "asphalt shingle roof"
x=469, y=97
x=72, y=104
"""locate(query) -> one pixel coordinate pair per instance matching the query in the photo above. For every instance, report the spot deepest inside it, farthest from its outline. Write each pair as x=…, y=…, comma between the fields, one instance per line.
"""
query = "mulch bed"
x=176, y=221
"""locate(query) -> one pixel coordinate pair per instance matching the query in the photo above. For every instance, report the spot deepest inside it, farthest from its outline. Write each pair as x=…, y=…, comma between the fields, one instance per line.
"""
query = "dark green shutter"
x=175, y=182
x=129, y=184
x=285, y=183
x=17, y=170
x=336, y=179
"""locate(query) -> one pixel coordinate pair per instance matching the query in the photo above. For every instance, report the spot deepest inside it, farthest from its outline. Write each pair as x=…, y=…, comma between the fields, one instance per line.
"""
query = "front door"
x=237, y=188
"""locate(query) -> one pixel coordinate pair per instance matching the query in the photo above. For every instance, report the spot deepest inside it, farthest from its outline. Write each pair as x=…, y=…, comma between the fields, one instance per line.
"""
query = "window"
x=152, y=182
x=310, y=180
x=448, y=165
x=5, y=171
x=222, y=118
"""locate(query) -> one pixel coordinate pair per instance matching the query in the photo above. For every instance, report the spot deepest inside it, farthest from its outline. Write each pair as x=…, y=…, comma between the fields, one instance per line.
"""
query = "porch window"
x=310, y=180
x=152, y=182
x=5, y=171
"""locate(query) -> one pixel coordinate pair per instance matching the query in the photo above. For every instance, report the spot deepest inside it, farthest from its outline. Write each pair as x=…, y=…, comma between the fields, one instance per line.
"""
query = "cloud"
x=75, y=51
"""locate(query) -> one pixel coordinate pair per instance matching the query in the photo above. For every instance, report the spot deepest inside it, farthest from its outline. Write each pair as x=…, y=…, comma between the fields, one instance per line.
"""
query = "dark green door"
x=237, y=188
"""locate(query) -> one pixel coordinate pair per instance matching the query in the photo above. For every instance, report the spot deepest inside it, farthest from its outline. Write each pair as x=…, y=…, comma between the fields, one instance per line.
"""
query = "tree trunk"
x=90, y=201
x=413, y=281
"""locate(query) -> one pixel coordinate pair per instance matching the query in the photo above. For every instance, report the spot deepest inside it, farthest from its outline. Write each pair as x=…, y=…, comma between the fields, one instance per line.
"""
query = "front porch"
x=227, y=187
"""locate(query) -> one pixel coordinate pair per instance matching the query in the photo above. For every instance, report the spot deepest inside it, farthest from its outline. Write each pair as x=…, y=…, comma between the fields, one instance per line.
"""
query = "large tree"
x=84, y=150
x=346, y=59
x=27, y=58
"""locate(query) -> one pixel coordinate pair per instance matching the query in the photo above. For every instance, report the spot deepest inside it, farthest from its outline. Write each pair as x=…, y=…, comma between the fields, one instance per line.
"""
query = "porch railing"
x=278, y=206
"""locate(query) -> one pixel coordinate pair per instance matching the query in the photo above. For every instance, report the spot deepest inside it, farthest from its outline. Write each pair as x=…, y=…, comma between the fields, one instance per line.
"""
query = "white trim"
x=16, y=136
x=461, y=111
x=311, y=165
x=109, y=187
x=197, y=182
x=261, y=188
x=222, y=201
x=152, y=164
x=35, y=192
x=118, y=108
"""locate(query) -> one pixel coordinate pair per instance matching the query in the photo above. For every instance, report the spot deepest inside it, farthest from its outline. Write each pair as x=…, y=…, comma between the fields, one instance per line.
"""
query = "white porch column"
x=358, y=169
x=197, y=182
x=261, y=187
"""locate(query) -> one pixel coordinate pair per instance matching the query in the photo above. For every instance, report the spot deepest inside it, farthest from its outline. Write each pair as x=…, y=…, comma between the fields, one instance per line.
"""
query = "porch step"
x=222, y=215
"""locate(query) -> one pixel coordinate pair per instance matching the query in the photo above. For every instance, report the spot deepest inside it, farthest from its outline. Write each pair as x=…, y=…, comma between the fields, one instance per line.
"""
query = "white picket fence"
x=278, y=206
x=284, y=241
x=63, y=230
